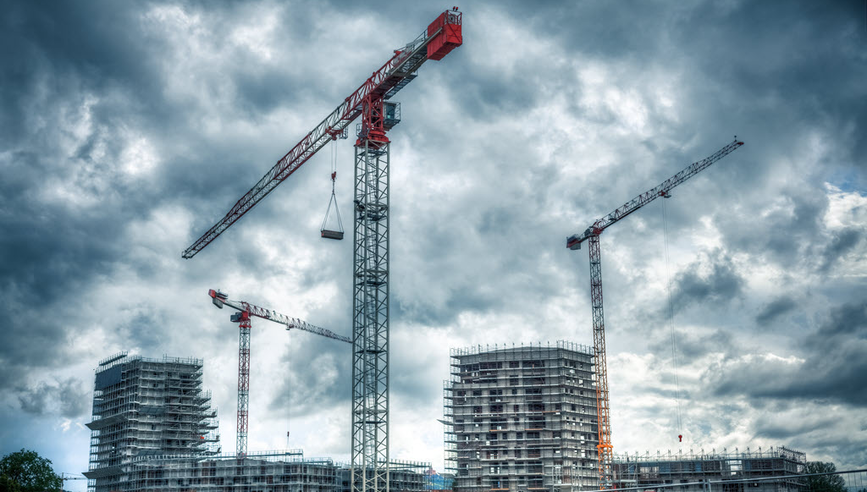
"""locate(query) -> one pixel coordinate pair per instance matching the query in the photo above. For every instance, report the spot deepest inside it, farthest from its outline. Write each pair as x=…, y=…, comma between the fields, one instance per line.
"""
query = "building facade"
x=146, y=407
x=767, y=470
x=256, y=472
x=521, y=419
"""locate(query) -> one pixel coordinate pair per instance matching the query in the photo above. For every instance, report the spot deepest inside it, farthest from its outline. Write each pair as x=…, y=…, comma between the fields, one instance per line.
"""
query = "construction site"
x=153, y=429
x=769, y=470
x=517, y=418
x=525, y=418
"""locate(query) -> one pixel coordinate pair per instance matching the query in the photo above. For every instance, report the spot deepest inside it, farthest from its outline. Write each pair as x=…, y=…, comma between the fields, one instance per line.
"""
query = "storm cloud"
x=129, y=129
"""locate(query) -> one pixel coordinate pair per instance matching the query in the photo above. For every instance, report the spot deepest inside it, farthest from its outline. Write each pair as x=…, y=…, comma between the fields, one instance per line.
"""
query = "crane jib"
x=574, y=242
x=271, y=315
x=441, y=36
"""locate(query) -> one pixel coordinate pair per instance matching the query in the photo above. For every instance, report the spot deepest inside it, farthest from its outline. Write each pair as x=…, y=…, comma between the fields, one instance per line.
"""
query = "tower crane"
x=65, y=477
x=242, y=317
x=605, y=449
x=370, y=313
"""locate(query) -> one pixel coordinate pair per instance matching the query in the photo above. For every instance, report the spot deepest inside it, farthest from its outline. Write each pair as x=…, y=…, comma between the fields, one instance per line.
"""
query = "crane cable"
x=288, y=400
x=673, y=336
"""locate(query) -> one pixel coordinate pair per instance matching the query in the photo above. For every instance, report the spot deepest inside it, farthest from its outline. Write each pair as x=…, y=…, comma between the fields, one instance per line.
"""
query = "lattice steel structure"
x=370, y=294
x=591, y=234
x=244, y=326
x=243, y=318
x=370, y=253
x=605, y=448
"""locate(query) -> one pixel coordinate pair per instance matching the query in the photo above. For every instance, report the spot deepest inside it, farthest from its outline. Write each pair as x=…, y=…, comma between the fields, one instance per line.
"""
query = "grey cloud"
x=772, y=425
x=721, y=285
x=842, y=243
x=691, y=347
x=789, y=80
x=67, y=398
x=775, y=309
x=310, y=364
x=835, y=368
x=848, y=319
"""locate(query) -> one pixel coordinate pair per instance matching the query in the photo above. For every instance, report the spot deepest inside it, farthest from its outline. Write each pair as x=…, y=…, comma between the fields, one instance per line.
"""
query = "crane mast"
x=242, y=317
x=605, y=449
x=370, y=312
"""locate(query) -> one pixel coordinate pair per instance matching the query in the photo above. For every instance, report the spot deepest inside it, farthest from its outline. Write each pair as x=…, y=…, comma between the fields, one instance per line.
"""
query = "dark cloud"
x=318, y=375
x=840, y=244
x=718, y=285
x=692, y=346
x=130, y=129
x=837, y=378
x=775, y=424
x=775, y=309
x=846, y=321
x=67, y=398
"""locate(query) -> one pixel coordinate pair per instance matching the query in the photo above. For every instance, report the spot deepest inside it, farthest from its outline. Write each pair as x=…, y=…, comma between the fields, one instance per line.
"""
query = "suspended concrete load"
x=332, y=230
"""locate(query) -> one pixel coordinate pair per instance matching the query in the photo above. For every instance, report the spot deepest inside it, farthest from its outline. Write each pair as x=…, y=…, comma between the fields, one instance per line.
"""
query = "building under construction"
x=270, y=471
x=146, y=407
x=406, y=476
x=767, y=470
x=284, y=471
x=522, y=418
x=153, y=429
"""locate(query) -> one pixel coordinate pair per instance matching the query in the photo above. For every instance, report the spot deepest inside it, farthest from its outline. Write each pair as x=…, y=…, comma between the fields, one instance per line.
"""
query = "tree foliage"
x=824, y=483
x=26, y=471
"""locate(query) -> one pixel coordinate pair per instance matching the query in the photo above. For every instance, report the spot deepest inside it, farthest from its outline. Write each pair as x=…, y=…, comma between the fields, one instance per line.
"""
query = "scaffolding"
x=271, y=471
x=521, y=418
x=696, y=470
x=153, y=430
x=406, y=476
x=145, y=407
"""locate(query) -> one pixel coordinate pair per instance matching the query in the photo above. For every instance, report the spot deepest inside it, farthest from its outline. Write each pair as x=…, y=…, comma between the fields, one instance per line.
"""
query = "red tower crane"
x=370, y=310
x=605, y=449
x=440, y=38
x=242, y=317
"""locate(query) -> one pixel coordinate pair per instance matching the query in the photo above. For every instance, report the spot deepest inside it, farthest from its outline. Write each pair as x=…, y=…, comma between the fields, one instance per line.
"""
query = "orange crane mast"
x=605, y=448
x=242, y=317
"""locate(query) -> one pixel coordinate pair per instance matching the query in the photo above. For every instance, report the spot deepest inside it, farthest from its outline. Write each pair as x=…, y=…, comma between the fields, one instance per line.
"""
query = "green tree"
x=26, y=471
x=824, y=483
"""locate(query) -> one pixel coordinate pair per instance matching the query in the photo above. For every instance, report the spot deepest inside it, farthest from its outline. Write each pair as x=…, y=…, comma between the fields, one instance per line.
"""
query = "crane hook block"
x=450, y=36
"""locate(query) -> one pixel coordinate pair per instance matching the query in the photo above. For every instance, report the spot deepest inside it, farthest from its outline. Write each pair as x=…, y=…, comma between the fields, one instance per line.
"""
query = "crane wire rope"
x=288, y=399
x=673, y=336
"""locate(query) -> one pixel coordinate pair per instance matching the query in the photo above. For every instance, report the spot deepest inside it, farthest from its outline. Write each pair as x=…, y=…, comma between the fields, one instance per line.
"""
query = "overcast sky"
x=128, y=129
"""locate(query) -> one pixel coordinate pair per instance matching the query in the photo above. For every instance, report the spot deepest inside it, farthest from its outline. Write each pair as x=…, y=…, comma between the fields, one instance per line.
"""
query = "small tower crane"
x=605, y=449
x=242, y=317
x=370, y=311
